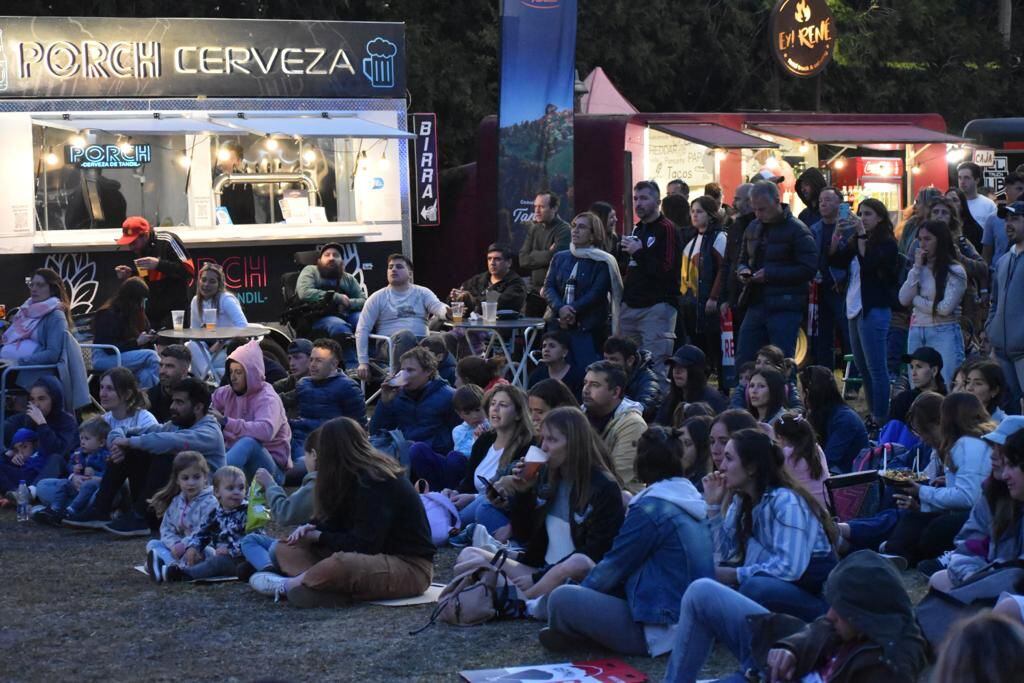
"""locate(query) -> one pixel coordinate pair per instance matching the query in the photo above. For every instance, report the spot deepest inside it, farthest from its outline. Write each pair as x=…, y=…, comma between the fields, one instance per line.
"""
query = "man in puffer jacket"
x=256, y=430
x=778, y=262
x=643, y=385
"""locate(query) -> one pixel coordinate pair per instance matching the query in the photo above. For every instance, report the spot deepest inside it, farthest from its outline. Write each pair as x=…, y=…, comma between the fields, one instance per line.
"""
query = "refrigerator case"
x=878, y=177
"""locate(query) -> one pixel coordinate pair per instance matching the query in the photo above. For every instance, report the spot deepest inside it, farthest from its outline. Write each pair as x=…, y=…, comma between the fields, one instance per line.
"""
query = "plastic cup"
x=209, y=318
x=400, y=379
x=490, y=311
x=458, y=310
x=143, y=272
x=532, y=463
x=178, y=319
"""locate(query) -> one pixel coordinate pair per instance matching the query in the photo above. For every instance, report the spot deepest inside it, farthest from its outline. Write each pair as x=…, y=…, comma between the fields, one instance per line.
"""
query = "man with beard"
x=327, y=282
x=175, y=361
x=144, y=457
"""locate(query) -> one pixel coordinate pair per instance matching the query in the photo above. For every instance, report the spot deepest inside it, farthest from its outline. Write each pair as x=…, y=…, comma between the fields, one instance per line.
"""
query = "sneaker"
x=269, y=584
x=47, y=516
x=935, y=564
x=464, y=537
x=86, y=519
x=127, y=526
x=482, y=539
x=172, y=573
x=154, y=566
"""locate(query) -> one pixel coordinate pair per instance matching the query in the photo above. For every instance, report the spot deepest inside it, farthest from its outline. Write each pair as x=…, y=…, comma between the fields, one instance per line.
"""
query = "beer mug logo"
x=379, y=67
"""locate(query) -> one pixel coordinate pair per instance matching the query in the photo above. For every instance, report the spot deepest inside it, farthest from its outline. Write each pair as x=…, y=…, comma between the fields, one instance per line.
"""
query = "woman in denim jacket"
x=664, y=545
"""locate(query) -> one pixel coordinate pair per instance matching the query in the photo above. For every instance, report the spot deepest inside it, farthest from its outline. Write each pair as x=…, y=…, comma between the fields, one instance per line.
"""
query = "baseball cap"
x=687, y=356
x=925, y=354
x=767, y=174
x=1015, y=209
x=22, y=435
x=300, y=345
x=331, y=245
x=1010, y=425
x=132, y=227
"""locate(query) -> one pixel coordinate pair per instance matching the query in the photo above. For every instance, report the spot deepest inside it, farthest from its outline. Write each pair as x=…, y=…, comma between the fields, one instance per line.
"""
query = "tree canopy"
x=665, y=55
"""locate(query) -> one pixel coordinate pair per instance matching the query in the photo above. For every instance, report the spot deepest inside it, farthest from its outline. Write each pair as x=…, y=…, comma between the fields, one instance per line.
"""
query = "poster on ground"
x=599, y=671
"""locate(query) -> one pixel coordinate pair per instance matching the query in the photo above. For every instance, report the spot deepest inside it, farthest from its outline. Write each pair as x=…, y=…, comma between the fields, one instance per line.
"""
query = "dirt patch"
x=75, y=609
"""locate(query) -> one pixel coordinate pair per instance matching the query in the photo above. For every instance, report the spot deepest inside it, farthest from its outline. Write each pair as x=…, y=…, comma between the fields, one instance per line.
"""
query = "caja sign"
x=803, y=36
x=99, y=57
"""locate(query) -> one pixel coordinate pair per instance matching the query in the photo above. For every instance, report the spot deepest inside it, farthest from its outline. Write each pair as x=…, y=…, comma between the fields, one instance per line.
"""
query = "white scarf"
x=595, y=254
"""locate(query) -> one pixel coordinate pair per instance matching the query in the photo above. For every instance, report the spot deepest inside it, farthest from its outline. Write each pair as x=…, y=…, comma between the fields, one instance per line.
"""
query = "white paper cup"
x=490, y=310
x=178, y=318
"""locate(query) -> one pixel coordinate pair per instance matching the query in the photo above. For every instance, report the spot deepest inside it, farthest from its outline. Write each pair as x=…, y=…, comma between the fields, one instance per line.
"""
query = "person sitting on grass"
x=664, y=544
x=804, y=458
x=213, y=549
x=768, y=357
x=869, y=633
x=545, y=396
x=446, y=471
x=486, y=373
x=22, y=462
x=688, y=383
x=840, y=430
x=642, y=383
x=56, y=428
x=985, y=379
x=724, y=426
x=766, y=395
x=175, y=361
x=618, y=420
x=69, y=495
x=776, y=541
x=445, y=360
x=554, y=362
x=183, y=505
x=368, y=538
x=570, y=517
x=298, y=365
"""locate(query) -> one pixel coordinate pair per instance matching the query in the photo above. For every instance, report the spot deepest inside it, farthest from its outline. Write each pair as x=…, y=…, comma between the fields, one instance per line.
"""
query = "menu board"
x=669, y=157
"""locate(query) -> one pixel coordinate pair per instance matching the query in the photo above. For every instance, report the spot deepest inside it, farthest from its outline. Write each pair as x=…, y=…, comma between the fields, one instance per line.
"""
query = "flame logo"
x=803, y=12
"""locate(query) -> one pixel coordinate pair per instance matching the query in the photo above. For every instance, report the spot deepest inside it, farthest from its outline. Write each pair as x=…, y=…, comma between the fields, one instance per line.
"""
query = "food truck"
x=301, y=124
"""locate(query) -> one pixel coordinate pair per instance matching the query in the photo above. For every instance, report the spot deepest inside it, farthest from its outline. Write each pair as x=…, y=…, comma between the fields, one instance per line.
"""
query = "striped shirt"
x=786, y=534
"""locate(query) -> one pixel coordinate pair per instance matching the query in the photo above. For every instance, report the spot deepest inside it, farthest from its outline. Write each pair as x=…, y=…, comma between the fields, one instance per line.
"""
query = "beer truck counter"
x=251, y=140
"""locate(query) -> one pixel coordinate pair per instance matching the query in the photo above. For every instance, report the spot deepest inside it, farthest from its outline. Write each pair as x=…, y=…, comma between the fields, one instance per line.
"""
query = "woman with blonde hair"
x=578, y=286
x=212, y=294
x=368, y=539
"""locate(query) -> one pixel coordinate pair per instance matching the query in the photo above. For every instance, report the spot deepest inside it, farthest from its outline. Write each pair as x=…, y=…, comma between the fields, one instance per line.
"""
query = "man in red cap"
x=163, y=262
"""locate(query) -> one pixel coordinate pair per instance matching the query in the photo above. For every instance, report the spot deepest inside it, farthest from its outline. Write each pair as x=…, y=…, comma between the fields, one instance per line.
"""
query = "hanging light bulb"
x=839, y=163
x=51, y=158
x=954, y=155
x=223, y=153
x=383, y=163
x=309, y=156
x=270, y=143
x=364, y=163
x=915, y=169
x=804, y=147
x=126, y=147
x=183, y=159
x=77, y=140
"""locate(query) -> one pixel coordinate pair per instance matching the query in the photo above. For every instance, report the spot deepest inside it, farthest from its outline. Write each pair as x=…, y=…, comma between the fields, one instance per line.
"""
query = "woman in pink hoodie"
x=256, y=431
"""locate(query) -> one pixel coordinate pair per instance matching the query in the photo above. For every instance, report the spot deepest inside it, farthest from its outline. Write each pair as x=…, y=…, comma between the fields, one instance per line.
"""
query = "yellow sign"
x=803, y=36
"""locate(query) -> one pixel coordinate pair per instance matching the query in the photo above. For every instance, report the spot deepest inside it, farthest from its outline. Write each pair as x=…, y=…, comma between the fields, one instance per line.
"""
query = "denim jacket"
x=663, y=545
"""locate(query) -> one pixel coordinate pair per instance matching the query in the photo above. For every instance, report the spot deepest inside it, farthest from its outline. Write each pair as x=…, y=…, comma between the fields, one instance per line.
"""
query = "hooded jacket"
x=643, y=386
x=182, y=519
x=428, y=416
x=620, y=436
x=203, y=436
x=59, y=434
x=259, y=412
x=974, y=545
x=664, y=544
x=816, y=180
x=865, y=590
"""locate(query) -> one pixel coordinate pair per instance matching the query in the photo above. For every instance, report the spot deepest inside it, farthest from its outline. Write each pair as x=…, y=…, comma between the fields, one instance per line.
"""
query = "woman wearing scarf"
x=37, y=331
x=577, y=288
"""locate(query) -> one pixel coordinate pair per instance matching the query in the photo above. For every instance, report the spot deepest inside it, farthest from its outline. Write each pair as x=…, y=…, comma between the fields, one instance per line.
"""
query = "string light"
x=915, y=169
x=51, y=158
x=364, y=163
x=955, y=155
x=804, y=147
x=77, y=140
x=383, y=162
x=839, y=163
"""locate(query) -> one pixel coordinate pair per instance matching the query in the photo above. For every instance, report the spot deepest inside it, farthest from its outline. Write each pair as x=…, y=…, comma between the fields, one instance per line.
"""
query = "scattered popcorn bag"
x=257, y=515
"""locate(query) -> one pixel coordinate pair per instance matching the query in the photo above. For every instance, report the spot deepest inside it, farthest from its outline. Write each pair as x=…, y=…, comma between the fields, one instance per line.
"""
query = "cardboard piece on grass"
x=141, y=568
x=596, y=671
x=429, y=596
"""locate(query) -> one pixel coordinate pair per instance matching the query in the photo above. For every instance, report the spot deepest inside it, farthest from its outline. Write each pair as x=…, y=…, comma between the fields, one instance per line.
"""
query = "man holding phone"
x=831, y=282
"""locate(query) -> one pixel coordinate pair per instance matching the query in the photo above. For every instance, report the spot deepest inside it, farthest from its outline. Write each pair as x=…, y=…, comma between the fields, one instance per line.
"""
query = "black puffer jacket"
x=789, y=255
x=643, y=386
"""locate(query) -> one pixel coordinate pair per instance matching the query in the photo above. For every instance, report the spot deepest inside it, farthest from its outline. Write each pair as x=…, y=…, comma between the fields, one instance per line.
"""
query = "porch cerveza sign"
x=803, y=36
x=53, y=57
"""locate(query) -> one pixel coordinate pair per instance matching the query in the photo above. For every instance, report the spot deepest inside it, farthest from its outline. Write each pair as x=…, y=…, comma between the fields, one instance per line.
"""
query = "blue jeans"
x=482, y=512
x=335, y=326
x=250, y=455
x=60, y=495
x=947, y=339
x=1013, y=370
x=831, y=315
x=440, y=471
x=709, y=612
x=760, y=329
x=781, y=596
x=869, y=335
x=144, y=364
x=897, y=347
x=258, y=550
x=598, y=617
x=871, y=532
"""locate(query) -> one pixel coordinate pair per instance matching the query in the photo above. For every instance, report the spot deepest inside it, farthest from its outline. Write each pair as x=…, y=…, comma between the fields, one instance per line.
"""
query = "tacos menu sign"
x=803, y=36
x=111, y=57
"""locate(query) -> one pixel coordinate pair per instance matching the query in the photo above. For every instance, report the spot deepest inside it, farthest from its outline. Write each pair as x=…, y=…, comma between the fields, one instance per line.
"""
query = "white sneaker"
x=945, y=557
x=483, y=539
x=269, y=584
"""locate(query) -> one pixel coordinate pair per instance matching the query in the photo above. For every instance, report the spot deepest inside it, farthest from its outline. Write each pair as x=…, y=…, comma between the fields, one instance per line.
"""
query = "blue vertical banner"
x=535, y=119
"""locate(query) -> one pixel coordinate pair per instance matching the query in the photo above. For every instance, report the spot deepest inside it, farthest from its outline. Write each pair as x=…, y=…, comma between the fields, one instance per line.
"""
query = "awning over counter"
x=313, y=126
x=713, y=135
x=857, y=133
x=134, y=125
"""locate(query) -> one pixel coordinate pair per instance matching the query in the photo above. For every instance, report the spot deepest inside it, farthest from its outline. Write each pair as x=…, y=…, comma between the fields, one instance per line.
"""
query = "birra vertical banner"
x=425, y=170
x=538, y=49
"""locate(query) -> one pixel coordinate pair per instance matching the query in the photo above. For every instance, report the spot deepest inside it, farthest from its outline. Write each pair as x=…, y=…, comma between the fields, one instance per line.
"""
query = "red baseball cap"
x=132, y=228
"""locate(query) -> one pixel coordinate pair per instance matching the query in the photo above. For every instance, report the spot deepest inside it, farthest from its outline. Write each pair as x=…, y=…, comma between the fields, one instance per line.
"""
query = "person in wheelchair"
x=340, y=293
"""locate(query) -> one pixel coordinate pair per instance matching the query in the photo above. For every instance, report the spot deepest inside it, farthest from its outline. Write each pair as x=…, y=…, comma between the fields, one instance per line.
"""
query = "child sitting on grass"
x=21, y=463
x=67, y=496
x=214, y=549
x=184, y=504
x=446, y=471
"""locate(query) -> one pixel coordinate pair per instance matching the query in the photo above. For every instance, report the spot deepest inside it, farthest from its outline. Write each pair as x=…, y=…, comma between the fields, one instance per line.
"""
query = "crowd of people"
x=650, y=491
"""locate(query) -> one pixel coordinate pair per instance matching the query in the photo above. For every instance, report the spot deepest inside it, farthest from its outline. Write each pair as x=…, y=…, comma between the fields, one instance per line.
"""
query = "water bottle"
x=23, y=496
x=570, y=292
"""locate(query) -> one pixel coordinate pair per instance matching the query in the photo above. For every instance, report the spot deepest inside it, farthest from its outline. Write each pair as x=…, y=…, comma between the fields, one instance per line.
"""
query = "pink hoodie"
x=259, y=412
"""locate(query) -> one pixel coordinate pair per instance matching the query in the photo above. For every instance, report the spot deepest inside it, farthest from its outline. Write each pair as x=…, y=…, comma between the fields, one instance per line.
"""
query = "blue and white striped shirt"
x=786, y=534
